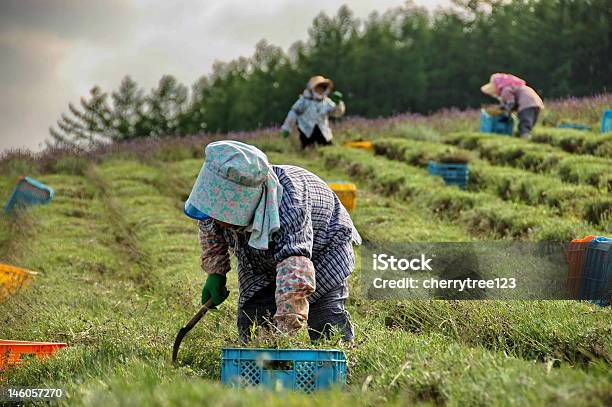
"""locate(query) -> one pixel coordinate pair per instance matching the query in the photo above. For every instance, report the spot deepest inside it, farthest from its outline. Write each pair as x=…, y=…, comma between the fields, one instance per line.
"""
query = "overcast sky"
x=53, y=51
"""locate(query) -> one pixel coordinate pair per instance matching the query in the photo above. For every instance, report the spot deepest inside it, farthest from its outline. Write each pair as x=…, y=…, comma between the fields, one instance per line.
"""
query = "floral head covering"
x=237, y=185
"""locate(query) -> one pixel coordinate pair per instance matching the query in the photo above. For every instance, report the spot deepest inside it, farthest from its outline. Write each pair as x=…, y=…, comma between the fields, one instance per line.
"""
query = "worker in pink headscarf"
x=514, y=95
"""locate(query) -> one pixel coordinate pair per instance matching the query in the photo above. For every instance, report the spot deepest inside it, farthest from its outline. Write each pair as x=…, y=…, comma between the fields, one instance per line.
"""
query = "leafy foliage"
x=404, y=60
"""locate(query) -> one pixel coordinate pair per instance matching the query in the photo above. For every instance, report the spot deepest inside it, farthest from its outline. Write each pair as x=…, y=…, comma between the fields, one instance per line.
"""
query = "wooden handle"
x=196, y=318
x=184, y=330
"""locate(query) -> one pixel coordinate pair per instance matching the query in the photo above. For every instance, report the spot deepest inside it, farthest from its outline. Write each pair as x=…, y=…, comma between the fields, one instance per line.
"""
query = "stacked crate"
x=590, y=269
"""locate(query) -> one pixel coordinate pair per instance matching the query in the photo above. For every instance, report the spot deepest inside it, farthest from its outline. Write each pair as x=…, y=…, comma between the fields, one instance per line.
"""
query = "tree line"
x=406, y=59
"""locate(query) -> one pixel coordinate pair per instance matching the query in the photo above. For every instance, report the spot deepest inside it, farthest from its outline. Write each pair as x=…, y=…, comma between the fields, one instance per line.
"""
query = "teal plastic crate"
x=28, y=192
x=606, y=121
x=496, y=124
x=453, y=174
x=597, y=275
x=305, y=370
x=574, y=126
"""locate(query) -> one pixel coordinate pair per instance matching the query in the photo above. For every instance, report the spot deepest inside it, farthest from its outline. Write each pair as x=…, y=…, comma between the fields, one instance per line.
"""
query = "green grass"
x=580, y=202
x=539, y=158
x=548, y=331
x=483, y=214
x=119, y=273
x=575, y=141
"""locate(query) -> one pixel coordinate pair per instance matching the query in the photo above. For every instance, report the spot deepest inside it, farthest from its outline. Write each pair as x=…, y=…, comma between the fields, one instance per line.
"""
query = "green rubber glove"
x=214, y=288
x=285, y=133
x=336, y=96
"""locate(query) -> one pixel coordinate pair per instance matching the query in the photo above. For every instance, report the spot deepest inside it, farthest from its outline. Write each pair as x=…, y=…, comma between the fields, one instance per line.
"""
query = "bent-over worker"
x=514, y=95
x=292, y=238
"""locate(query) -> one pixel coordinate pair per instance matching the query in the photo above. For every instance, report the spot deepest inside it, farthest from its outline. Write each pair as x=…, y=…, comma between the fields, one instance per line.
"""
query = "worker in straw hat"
x=292, y=238
x=514, y=95
x=310, y=113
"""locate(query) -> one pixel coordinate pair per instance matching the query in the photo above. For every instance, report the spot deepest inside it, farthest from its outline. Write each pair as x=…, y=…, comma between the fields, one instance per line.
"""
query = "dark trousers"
x=325, y=315
x=527, y=119
x=315, y=138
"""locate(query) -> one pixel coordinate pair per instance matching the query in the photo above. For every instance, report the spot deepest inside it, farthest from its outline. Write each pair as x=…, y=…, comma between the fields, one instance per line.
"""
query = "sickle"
x=184, y=330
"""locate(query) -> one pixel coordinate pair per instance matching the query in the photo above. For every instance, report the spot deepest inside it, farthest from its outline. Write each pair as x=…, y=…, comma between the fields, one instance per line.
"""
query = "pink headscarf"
x=503, y=80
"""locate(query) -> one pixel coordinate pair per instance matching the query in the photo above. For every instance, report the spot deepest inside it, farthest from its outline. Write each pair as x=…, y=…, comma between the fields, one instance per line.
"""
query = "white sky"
x=53, y=51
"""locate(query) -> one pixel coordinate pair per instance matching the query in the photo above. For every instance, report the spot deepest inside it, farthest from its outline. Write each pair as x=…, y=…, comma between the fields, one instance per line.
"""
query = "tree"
x=88, y=126
x=405, y=59
x=128, y=114
x=165, y=108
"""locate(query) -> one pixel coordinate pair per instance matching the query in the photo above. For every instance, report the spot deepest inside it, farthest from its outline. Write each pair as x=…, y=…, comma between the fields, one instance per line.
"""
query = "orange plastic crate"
x=575, y=253
x=15, y=352
x=12, y=279
x=364, y=145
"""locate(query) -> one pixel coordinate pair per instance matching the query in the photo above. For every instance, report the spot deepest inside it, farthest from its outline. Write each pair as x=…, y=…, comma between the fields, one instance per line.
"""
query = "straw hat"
x=320, y=80
x=489, y=88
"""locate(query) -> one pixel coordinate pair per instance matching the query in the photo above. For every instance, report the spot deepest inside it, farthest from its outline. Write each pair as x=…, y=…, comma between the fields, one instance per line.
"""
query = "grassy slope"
x=119, y=275
x=539, y=158
x=513, y=184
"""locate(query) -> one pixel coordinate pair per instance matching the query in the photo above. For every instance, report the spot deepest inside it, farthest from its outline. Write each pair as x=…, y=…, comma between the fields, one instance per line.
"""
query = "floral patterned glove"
x=295, y=281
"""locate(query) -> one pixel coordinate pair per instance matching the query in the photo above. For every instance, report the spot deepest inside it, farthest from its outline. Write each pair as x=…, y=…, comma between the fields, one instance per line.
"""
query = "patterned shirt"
x=308, y=112
x=314, y=224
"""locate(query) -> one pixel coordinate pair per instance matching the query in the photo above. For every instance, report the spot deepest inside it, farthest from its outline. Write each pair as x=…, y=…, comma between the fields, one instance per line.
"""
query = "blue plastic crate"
x=606, y=121
x=597, y=275
x=29, y=192
x=453, y=174
x=496, y=124
x=574, y=126
x=307, y=370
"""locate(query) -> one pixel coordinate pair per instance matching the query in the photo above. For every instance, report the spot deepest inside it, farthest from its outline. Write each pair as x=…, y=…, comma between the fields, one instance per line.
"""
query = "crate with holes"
x=12, y=279
x=596, y=284
x=346, y=192
x=590, y=269
x=306, y=370
x=17, y=352
x=360, y=144
x=498, y=124
x=606, y=122
x=575, y=253
x=28, y=192
x=451, y=173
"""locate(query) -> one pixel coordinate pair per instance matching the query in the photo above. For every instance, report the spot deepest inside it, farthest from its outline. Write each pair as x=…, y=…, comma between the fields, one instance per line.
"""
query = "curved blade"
x=184, y=330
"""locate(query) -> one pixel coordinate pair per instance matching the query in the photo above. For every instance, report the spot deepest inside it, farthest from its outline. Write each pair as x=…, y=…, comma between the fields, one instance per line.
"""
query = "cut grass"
x=120, y=332
x=567, y=200
x=575, y=141
x=498, y=150
x=380, y=218
x=481, y=213
x=542, y=330
x=533, y=330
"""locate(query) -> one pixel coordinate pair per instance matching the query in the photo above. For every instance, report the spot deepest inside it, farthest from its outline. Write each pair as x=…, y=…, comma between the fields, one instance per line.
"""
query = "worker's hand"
x=285, y=133
x=494, y=110
x=507, y=106
x=289, y=324
x=214, y=288
x=336, y=97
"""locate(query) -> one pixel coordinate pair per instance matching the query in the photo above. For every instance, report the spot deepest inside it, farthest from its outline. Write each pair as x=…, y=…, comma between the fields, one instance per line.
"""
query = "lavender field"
x=118, y=266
